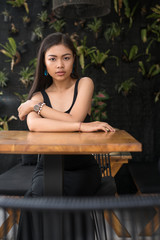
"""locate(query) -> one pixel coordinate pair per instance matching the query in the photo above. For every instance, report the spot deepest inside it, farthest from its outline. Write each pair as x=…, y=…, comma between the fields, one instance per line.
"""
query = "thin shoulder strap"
x=75, y=95
x=46, y=98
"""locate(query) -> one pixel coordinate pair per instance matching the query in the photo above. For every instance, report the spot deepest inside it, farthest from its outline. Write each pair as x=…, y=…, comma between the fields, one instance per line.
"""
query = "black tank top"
x=48, y=103
x=73, y=162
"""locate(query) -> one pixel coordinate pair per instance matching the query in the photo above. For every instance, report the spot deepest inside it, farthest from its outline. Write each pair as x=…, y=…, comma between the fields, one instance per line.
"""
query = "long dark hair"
x=41, y=81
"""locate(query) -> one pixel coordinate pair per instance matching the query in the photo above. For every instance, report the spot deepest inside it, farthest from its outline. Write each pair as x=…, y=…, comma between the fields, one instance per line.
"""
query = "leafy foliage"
x=10, y=50
x=43, y=16
x=19, y=3
x=4, y=122
x=98, y=58
x=27, y=74
x=3, y=78
x=131, y=55
x=129, y=13
x=58, y=25
x=151, y=72
x=126, y=86
x=113, y=31
x=38, y=32
x=22, y=97
x=83, y=51
x=95, y=26
x=98, y=110
x=151, y=33
x=157, y=97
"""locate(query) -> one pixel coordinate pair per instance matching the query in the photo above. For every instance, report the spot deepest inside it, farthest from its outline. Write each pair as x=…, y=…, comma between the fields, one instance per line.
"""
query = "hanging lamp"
x=80, y=8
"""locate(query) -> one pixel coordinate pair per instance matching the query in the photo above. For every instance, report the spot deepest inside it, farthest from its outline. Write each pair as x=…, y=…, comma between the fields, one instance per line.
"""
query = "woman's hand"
x=96, y=126
x=25, y=108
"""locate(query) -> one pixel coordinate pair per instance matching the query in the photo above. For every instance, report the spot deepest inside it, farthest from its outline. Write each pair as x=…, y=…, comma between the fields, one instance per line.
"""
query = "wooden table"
x=54, y=144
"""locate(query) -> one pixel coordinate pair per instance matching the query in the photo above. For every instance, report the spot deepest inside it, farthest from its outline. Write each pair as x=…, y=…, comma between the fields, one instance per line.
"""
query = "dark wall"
x=137, y=112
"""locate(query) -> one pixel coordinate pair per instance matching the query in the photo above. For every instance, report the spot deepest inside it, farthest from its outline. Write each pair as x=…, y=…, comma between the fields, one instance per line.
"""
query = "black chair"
x=108, y=186
x=131, y=211
x=16, y=181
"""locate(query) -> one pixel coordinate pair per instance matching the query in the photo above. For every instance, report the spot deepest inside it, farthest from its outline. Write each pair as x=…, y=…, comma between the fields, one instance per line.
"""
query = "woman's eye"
x=66, y=58
x=52, y=59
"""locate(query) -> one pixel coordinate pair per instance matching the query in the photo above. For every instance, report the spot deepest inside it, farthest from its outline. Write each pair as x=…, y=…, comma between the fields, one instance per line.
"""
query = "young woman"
x=59, y=101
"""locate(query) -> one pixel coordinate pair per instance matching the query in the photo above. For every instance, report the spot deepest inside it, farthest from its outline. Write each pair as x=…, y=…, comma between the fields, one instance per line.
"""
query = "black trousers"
x=77, y=182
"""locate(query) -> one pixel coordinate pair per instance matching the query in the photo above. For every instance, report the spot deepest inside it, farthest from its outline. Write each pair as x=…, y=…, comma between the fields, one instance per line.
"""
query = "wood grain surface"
x=16, y=142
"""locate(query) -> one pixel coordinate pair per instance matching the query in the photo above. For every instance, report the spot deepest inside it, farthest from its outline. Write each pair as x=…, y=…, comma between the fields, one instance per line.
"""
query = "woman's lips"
x=60, y=73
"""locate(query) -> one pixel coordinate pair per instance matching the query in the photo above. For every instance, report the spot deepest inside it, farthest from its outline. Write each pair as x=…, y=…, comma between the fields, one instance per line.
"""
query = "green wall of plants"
x=120, y=52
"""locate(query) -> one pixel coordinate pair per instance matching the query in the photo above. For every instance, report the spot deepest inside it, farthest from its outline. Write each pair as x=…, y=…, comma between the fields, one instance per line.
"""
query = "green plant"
x=4, y=122
x=98, y=110
x=118, y=6
x=144, y=35
x=157, y=97
x=98, y=58
x=10, y=50
x=151, y=32
x=58, y=25
x=151, y=72
x=95, y=26
x=83, y=51
x=129, y=13
x=113, y=31
x=6, y=15
x=33, y=63
x=26, y=19
x=22, y=97
x=27, y=74
x=3, y=78
x=131, y=55
x=19, y=3
x=13, y=29
x=156, y=12
x=126, y=86
x=38, y=31
x=43, y=16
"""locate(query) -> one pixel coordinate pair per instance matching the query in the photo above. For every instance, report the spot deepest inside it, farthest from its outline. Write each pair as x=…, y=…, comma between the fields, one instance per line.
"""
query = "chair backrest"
x=134, y=212
x=104, y=163
x=108, y=185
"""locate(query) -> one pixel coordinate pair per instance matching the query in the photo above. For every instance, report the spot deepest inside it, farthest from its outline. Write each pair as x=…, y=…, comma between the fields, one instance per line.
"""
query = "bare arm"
x=38, y=124
x=78, y=113
x=54, y=120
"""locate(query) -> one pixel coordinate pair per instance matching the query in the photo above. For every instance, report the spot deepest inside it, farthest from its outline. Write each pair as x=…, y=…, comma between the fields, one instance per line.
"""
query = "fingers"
x=21, y=117
x=109, y=128
x=102, y=126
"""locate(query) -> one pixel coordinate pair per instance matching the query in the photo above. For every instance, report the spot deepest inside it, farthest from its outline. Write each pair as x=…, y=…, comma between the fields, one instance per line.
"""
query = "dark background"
x=136, y=113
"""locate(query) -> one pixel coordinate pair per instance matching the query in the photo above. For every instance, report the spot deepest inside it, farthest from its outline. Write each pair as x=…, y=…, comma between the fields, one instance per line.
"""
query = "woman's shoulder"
x=86, y=80
x=37, y=96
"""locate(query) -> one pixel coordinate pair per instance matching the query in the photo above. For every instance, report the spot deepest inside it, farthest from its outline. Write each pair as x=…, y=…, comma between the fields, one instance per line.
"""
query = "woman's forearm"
x=50, y=125
x=53, y=114
x=50, y=113
x=38, y=124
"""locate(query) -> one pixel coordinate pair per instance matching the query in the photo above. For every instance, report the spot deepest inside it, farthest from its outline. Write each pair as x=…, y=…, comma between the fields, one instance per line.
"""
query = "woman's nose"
x=60, y=64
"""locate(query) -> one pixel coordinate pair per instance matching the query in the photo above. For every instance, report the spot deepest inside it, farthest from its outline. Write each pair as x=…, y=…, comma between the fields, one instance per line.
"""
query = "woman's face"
x=59, y=61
